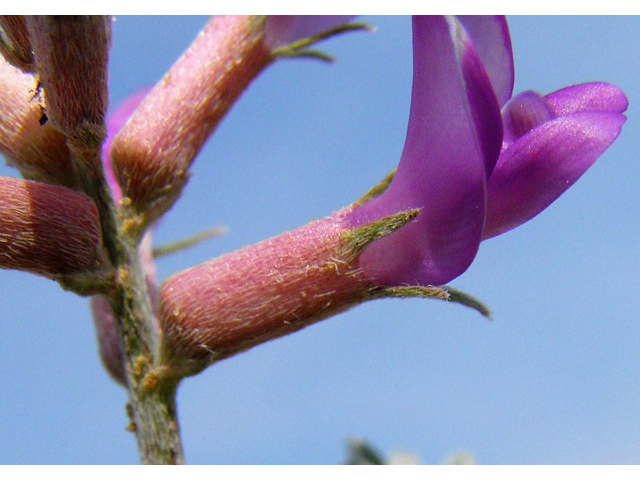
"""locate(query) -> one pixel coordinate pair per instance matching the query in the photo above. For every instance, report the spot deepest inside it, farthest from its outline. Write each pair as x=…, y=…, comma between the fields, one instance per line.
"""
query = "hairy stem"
x=154, y=419
x=151, y=405
x=71, y=55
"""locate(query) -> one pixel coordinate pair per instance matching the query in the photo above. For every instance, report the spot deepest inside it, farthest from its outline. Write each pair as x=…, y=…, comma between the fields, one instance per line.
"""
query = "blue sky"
x=554, y=378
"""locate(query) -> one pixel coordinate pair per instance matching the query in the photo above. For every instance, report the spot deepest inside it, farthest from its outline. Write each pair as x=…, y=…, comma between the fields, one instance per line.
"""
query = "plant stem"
x=154, y=419
x=151, y=407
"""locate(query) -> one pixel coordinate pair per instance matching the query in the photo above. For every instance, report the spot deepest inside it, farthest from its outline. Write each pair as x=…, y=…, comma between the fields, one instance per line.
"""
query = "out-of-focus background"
x=554, y=378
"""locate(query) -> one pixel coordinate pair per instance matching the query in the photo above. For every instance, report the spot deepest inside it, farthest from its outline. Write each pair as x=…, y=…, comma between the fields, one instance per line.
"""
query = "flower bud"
x=39, y=152
x=14, y=42
x=264, y=291
x=152, y=153
x=276, y=287
x=71, y=54
x=48, y=230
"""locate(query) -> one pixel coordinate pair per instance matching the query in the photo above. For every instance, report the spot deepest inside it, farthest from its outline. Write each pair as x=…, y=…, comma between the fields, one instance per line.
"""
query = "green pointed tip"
x=299, y=49
x=376, y=190
x=308, y=53
x=164, y=250
x=413, y=291
x=445, y=292
x=346, y=28
x=463, y=298
x=357, y=238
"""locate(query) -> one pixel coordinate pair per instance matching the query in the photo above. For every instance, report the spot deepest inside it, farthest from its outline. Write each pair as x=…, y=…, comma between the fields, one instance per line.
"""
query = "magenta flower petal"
x=523, y=113
x=588, y=97
x=453, y=141
x=115, y=121
x=284, y=29
x=491, y=38
x=535, y=170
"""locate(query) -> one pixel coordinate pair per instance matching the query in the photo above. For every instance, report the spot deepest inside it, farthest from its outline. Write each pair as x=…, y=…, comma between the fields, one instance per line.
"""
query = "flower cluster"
x=477, y=162
x=473, y=170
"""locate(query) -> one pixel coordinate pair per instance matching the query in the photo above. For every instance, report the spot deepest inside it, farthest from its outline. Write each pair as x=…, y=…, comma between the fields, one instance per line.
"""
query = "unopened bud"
x=153, y=152
x=48, y=230
x=14, y=42
x=264, y=291
x=71, y=54
x=38, y=151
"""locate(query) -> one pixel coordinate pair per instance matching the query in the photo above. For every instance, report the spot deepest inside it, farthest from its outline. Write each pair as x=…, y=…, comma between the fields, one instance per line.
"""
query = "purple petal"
x=453, y=140
x=523, y=113
x=115, y=121
x=588, y=97
x=535, y=170
x=490, y=35
x=284, y=29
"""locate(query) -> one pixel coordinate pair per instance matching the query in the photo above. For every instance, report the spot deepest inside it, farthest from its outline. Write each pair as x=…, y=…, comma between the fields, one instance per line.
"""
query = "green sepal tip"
x=357, y=238
x=444, y=292
x=376, y=190
x=300, y=48
x=183, y=244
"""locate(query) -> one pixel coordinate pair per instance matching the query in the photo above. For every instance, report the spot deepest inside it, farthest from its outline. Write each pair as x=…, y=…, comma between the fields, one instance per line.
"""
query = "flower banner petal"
x=453, y=140
x=491, y=38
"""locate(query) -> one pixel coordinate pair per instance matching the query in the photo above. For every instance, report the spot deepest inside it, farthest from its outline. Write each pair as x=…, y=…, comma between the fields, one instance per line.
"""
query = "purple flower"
x=474, y=171
x=475, y=164
x=549, y=143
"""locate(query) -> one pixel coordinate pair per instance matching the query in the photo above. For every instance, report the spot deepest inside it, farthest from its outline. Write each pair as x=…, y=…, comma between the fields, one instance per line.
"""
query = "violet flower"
x=468, y=172
x=450, y=167
x=549, y=143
